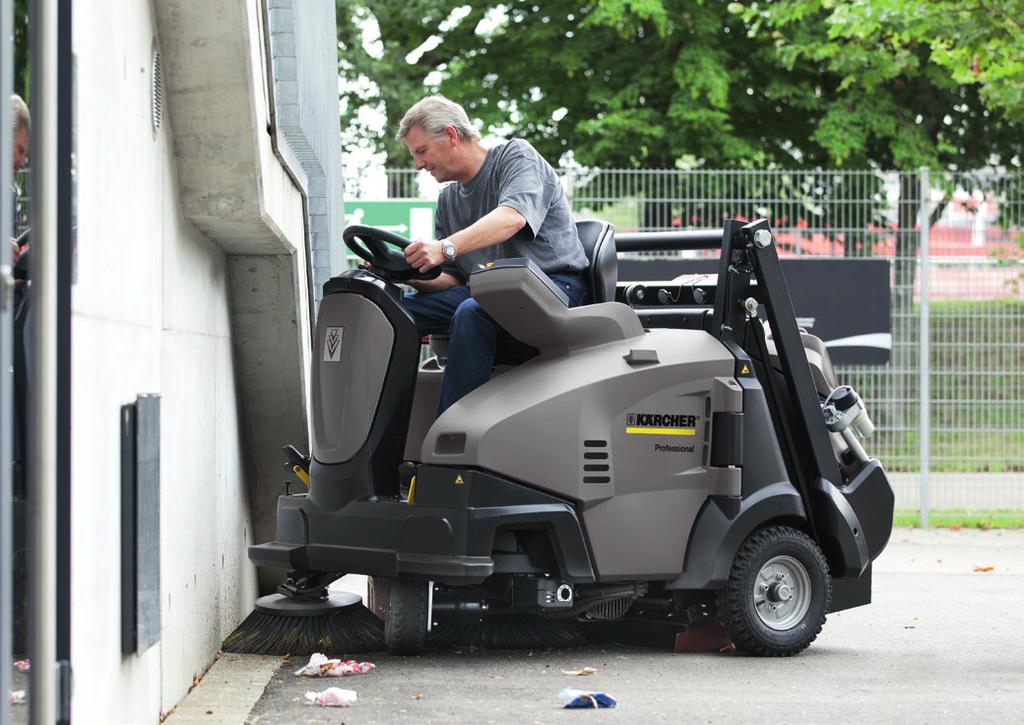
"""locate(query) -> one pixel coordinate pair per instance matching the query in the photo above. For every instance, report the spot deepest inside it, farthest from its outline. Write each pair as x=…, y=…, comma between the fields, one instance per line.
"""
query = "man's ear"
x=451, y=134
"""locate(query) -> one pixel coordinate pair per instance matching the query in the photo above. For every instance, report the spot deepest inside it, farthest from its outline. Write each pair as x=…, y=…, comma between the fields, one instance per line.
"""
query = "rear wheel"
x=405, y=618
x=778, y=592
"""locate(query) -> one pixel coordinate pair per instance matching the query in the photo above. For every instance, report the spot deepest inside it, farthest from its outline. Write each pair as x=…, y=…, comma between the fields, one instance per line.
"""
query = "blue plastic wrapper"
x=574, y=699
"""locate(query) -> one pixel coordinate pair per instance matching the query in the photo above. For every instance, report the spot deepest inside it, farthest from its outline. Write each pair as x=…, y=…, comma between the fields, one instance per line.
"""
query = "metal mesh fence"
x=961, y=233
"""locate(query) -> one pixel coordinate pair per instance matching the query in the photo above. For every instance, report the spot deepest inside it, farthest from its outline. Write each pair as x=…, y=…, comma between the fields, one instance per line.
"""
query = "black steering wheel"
x=370, y=243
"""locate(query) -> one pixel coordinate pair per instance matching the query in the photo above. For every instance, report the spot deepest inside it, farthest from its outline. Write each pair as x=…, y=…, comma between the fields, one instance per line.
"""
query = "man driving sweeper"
x=505, y=202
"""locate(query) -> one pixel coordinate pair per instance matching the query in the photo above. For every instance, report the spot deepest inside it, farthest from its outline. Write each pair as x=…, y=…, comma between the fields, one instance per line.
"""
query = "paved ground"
x=940, y=642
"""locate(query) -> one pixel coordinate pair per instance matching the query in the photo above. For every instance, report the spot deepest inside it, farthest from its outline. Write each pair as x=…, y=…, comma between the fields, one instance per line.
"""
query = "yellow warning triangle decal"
x=745, y=370
x=458, y=480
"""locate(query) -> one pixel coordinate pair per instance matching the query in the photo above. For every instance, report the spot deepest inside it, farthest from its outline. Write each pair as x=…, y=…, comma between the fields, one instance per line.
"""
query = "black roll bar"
x=668, y=241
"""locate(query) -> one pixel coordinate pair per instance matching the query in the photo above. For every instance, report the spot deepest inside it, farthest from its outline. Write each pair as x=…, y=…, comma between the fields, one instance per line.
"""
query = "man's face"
x=20, y=149
x=430, y=154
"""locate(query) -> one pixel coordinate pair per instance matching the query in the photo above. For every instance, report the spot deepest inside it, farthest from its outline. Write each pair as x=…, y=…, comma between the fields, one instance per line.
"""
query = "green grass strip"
x=944, y=518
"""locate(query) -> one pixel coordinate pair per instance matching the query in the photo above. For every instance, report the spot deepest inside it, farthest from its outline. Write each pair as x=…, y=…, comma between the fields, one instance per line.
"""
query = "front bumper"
x=446, y=534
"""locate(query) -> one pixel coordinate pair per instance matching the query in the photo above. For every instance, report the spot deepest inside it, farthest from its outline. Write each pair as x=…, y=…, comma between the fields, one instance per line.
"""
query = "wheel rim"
x=782, y=592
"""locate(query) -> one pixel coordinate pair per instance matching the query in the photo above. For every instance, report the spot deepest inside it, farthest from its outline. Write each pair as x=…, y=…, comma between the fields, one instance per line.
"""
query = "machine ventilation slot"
x=595, y=453
x=607, y=611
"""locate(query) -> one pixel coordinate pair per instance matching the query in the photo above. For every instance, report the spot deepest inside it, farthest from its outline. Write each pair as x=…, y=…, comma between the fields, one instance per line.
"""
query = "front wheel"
x=778, y=592
x=405, y=617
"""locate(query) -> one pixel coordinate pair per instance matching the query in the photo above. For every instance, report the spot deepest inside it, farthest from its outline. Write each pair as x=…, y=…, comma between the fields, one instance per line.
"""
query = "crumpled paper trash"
x=580, y=673
x=17, y=697
x=332, y=697
x=320, y=666
x=22, y=665
x=584, y=698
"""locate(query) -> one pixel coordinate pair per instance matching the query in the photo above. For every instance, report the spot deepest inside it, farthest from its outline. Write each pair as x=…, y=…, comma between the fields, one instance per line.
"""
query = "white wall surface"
x=150, y=315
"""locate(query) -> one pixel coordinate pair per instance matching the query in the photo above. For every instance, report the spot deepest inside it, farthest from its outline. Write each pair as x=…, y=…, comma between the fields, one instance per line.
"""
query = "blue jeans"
x=473, y=334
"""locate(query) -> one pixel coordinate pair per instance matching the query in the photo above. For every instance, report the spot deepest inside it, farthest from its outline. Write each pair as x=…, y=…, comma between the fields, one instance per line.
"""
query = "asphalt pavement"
x=941, y=641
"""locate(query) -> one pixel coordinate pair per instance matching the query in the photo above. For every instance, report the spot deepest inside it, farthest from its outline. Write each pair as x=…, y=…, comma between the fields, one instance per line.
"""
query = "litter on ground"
x=579, y=673
x=320, y=666
x=574, y=699
x=332, y=697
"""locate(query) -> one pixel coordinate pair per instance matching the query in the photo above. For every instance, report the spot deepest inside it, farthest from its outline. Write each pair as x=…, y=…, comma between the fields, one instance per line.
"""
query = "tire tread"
x=732, y=609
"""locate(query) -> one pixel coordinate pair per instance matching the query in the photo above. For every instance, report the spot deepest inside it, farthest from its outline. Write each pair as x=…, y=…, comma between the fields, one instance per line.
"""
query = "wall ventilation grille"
x=157, y=92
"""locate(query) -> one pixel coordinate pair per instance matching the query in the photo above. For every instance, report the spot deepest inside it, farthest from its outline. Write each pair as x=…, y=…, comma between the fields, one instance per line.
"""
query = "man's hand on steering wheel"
x=424, y=254
x=372, y=245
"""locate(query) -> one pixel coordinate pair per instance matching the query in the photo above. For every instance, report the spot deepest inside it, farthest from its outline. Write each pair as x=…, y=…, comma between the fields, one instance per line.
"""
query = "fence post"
x=924, y=346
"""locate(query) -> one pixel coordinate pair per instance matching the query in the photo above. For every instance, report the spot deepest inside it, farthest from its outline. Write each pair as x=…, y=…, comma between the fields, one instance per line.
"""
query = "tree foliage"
x=933, y=84
x=977, y=43
x=659, y=83
x=381, y=78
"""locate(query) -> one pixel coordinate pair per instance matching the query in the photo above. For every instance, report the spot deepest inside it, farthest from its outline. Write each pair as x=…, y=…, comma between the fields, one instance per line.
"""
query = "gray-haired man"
x=21, y=127
x=504, y=202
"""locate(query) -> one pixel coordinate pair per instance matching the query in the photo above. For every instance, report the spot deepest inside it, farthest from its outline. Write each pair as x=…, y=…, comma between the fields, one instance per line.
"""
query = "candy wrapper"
x=331, y=697
x=16, y=697
x=583, y=698
x=320, y=666
x=22, y=665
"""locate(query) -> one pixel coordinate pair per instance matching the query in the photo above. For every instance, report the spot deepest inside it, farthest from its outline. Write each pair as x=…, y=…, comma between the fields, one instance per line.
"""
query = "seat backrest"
x=598, y=239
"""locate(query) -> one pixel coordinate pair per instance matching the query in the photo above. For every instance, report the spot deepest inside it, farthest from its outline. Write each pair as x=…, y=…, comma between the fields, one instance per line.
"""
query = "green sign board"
x=412, y=218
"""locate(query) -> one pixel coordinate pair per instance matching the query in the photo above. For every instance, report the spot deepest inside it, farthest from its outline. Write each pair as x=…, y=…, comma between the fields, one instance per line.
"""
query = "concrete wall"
x=190, y=284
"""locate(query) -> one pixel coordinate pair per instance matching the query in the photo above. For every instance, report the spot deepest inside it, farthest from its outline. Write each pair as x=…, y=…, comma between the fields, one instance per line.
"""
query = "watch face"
x=448, y=249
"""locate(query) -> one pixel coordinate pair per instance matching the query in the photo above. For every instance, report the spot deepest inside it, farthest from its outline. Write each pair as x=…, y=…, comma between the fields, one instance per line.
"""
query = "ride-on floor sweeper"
x=680, y=454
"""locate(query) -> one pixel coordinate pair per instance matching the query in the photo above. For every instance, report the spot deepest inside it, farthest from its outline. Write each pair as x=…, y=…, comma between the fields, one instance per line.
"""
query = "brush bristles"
x=355, y=629
x=346, y=631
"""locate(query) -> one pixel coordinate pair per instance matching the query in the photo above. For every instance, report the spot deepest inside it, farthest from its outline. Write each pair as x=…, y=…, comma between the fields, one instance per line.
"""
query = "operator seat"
x=601, y=275
x=598, y=239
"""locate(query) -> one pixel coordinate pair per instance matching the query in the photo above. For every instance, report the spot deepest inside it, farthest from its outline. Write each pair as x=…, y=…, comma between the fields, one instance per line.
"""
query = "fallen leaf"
x=955, y=527
x=984, y=568
x=417, y=696
x=209, y=712
x=578, y=673
x=728, y=648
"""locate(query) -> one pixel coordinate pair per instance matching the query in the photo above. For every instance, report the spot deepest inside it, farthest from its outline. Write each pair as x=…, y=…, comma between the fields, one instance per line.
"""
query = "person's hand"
x=424, y=255
x=15, y=252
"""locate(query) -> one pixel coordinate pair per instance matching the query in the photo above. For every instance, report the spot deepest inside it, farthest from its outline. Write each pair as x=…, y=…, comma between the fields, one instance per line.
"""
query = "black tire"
x=771, y=615
x=405, y=618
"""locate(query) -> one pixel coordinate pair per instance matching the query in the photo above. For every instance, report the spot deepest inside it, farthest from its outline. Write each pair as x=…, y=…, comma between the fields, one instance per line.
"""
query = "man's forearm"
x=494, y=227
x=442, y=282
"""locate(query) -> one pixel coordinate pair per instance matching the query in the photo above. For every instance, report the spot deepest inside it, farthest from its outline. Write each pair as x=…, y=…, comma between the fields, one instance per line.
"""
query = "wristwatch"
x=448, y=249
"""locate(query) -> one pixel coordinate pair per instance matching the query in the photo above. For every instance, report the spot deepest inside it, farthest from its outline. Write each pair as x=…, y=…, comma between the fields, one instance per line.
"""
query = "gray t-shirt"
x=515, y=175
